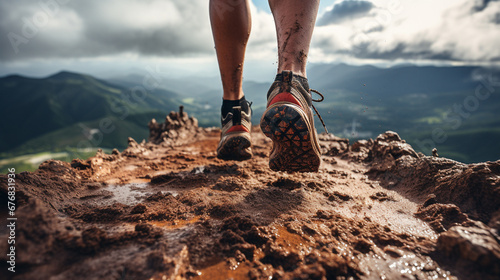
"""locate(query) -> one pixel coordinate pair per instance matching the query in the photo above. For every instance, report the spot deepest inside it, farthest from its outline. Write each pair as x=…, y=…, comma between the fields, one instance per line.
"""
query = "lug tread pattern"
x=293, y=147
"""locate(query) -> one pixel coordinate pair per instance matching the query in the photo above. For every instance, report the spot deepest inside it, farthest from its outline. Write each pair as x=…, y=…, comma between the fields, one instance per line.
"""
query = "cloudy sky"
x=112, y=37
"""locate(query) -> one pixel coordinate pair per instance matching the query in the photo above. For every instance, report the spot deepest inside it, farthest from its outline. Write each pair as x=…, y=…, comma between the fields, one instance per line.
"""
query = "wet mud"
x=169, y=209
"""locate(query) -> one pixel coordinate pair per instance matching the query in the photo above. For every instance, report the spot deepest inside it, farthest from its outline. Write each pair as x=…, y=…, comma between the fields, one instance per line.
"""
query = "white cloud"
x=100, y=28
x=93, y=28
x=385, y=31
x=262, y=43
x=454, y=30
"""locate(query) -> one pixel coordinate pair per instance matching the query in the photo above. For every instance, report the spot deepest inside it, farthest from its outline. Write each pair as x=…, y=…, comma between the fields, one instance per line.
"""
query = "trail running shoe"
x=288, y=121
x=235, y=142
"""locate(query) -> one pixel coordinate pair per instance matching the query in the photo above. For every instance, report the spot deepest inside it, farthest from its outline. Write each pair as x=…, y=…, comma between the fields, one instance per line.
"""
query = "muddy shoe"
x=288, y=121
x=235, y=142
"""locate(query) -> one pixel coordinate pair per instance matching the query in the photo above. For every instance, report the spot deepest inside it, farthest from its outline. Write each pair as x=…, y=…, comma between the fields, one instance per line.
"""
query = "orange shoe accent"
x=238, y=128
x=285, y=96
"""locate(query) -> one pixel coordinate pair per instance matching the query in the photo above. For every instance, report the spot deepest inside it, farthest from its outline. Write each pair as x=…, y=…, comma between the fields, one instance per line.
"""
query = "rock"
x=387, y=148
x=442, y=216
x=332, y=145
x=132, y=142
x=361, y=145
x=178, y=127
x=477, y=244
x=435, y=152
x=389, y=143
x=361, y=150
x=474, y=188
x=134, y=148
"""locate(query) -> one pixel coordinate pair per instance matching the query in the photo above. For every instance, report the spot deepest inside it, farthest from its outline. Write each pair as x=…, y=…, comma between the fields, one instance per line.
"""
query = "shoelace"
x=315, y=110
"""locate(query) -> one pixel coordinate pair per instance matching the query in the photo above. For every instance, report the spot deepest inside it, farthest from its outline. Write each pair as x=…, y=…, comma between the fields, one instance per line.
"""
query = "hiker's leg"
x=295, y=20
x=231, y=24
x=288, y=120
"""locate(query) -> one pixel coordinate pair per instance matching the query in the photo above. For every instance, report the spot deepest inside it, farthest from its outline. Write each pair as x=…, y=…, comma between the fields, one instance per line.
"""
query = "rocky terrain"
x=169, y=209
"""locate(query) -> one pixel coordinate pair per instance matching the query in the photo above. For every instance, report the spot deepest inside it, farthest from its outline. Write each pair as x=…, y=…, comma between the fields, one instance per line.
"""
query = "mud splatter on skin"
x=302, y=57
x=293, y=30
x=194, y=216
x=236, y=77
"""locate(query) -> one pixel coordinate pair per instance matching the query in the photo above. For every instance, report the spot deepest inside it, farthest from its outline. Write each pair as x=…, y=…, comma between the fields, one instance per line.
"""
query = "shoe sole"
x=235, y=147
x=291, y=133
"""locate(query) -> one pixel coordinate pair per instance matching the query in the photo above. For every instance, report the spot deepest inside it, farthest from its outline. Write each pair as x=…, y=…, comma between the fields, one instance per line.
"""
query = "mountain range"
x=453, y=109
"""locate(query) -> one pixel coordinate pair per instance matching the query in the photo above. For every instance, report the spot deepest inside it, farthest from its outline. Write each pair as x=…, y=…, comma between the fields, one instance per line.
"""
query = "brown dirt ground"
x=375, y=210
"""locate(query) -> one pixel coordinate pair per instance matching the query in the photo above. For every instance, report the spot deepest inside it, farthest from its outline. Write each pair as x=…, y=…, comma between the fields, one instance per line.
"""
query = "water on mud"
x=132, y=193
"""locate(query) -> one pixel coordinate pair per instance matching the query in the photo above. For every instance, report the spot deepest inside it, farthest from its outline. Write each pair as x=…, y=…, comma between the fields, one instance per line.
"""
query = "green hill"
x=68, y=109
x=428, y=106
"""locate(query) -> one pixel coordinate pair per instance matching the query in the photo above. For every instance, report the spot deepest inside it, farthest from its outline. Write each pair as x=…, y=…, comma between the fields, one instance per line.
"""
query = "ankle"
x=227, y=105
x=299, y=71
x=233, y=95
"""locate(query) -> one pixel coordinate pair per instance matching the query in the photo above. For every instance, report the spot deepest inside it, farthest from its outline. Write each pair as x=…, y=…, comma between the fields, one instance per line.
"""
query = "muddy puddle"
x=132, y=193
